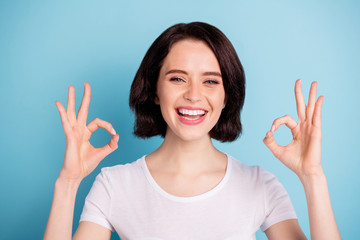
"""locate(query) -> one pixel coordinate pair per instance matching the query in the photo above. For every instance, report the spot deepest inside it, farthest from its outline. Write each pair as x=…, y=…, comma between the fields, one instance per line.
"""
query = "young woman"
x=189, y=89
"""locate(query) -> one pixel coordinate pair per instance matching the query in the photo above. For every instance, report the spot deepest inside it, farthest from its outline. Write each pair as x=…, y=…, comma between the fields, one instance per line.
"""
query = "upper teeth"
x=191, y=112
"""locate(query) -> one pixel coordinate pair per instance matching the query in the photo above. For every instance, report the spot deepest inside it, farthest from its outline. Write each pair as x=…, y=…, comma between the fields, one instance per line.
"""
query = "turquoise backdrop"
x=47, y=45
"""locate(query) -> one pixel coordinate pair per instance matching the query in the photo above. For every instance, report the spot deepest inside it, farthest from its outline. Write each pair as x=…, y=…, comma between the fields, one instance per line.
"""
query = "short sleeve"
x=278, y=206
x=98, y=202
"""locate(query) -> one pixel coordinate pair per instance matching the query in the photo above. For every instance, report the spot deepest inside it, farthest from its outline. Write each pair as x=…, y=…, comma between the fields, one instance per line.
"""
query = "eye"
x=210, y=81
x=176, y=79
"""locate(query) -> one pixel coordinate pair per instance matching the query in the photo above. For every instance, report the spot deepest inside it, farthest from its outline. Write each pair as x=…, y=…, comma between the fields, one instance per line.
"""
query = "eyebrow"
x=184, y=72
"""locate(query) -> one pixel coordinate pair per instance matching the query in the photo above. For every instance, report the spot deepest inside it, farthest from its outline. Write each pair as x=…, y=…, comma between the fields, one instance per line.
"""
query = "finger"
x=84, y=108
x=102, y=152
x=108, y=148
x=96, y=123
x=316, y=121
x=275, y=148
x=300, y=104
x=71, y=105
x=311, y=102
x=64, y=117
x=287, y=120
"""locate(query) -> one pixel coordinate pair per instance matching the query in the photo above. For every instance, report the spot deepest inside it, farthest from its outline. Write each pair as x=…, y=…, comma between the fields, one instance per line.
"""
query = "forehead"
x=191, y=55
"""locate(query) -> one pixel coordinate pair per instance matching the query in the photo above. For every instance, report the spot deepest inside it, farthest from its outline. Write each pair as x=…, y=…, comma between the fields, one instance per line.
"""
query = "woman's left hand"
x=303, y=154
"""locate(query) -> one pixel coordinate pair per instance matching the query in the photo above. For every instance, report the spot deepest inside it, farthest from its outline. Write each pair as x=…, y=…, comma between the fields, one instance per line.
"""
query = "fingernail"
x=113, y=131
x=272, y=128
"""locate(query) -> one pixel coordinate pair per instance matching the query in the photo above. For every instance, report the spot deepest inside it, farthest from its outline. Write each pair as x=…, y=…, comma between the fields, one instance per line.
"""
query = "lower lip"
x=192, y=122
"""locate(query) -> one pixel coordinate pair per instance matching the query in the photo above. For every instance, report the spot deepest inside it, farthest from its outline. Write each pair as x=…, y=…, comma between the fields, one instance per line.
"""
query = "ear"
x=156, y=100
x=225, y=100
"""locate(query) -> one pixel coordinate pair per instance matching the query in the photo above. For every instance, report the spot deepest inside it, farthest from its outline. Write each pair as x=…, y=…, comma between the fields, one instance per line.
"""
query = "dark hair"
x=149, y=121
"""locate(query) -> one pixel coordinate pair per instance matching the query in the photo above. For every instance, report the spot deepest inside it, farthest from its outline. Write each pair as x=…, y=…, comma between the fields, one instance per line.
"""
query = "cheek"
x=163, y=100
x=218, y=105
x=166, y=105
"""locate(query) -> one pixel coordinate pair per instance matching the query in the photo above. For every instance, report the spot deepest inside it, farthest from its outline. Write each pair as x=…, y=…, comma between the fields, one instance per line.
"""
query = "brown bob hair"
x=149, y=121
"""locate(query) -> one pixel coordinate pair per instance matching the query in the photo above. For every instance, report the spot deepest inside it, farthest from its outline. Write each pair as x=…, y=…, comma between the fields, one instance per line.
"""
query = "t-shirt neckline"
x=207, y=194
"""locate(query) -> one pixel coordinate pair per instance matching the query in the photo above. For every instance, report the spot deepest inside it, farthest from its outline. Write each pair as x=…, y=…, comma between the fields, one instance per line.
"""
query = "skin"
x=80, y=159
x=303, y=157
x=189, y=78
x=187, y=164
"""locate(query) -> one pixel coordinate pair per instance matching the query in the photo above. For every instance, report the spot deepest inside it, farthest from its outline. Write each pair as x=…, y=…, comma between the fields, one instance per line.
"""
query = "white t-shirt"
x=126, y=199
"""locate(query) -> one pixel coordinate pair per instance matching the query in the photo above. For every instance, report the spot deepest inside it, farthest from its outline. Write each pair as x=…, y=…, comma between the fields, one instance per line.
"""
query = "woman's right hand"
x=81, y=158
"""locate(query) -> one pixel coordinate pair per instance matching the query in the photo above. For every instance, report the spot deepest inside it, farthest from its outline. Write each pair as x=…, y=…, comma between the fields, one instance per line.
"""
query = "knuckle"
x=70, y=137
x=98, y=121
x=276, y=120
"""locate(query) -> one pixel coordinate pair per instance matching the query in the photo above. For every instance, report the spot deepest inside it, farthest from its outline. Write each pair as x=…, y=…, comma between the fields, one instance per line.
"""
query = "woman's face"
x=190, y=90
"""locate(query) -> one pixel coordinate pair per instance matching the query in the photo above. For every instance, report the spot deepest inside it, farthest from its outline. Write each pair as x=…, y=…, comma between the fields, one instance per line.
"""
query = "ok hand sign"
x=303, y=154
x=81, y=158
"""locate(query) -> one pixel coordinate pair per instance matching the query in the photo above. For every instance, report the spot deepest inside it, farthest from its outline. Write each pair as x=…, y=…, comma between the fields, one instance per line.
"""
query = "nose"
x=193, y=93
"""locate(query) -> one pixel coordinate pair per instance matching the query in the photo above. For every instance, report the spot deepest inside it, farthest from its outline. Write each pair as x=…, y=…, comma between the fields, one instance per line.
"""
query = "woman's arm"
x=60, y=221
x=321, y=216
x=303, y=156
x=81, y=158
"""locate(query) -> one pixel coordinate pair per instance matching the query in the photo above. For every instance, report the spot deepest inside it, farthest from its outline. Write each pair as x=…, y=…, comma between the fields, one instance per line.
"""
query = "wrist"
x=69, y=177
x=67, y=184
x=312, y=179
x=310, y=171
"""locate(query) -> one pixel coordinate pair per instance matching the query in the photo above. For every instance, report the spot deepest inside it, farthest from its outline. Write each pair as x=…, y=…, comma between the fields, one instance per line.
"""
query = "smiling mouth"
x=191, y=114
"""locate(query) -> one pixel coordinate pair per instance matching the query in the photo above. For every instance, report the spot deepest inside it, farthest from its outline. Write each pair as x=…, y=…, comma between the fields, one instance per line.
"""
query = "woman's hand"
x=303, y=154
x=81, y=158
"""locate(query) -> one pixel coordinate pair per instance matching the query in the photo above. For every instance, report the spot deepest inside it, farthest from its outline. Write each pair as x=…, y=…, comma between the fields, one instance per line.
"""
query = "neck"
x=187, y=157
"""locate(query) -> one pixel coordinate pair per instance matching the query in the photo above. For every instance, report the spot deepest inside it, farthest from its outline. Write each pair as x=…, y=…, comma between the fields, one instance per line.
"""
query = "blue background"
x=47, y=45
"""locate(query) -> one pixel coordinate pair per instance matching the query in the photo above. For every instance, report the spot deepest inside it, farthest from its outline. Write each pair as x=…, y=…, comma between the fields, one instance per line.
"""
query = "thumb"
x=270, y=142
x=108, y=148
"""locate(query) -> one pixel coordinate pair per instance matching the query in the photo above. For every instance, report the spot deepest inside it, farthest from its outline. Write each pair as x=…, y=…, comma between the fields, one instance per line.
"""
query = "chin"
x=188, y=133
x=194, y=138
x=190, y=136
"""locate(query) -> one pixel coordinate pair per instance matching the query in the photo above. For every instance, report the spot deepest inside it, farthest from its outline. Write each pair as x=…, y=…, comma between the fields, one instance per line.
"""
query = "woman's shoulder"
x=124, y=171
x=251, y=172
